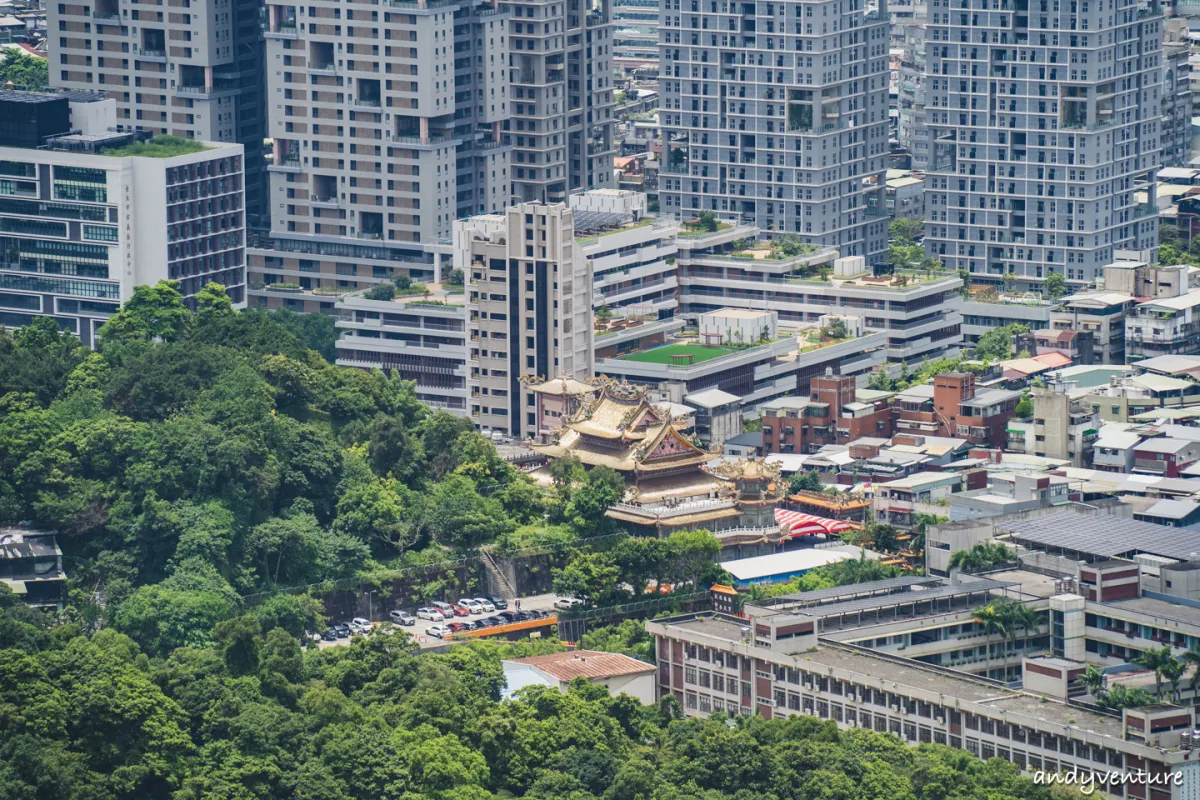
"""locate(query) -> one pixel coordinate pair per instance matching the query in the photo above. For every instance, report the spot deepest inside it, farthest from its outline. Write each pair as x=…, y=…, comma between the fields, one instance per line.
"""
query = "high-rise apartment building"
x=1045, y=120
x=561, y=125
x=913, y=127
x=191, y=71
x=776, y=114
x=529, y=309
x=386, y=125
x=85, y=217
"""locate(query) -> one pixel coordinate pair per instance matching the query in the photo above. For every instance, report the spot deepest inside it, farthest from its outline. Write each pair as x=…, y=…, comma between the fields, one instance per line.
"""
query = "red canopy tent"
x=795, y=523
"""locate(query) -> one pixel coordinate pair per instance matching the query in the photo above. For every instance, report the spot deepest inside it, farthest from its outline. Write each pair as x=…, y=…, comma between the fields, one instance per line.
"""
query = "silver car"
x=485, y=604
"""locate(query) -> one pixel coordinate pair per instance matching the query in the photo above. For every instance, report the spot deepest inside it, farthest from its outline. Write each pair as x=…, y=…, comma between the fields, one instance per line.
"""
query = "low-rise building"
x=619, y=673
x=1171, y=513
x=980, y=316
x=1163, y=456
x=1113, y=449
x=1079, y=346
x=1126, y=396
x=904, y=194
x=31, y=567
x=1163, y=327
x=1100, y=313
x=717, y=415
x=898, y=502
x=1010, y=493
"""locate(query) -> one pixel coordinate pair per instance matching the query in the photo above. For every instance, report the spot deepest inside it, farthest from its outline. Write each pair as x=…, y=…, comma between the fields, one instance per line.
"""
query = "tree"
x=587, y=576
x=24, y=71
x=994, y=620
x=708, y=221
x=1094, y=680
x=237, y=640
x=809, y=481
x=1191, y=657
x=693, y=552
x=1024, y=408
x=905, y=230
x=152, y=313
x=1173, y=671
x=640, y=560
x=603, y=488
x=1055, y=285
x=382, y=291
x=403, y=282
x=996, y=344
x=457, y=516
x=455, y=277
x=1156, y=659
x=836, y=329
x=316, y=331
x=212, y=303
x=1121, y=696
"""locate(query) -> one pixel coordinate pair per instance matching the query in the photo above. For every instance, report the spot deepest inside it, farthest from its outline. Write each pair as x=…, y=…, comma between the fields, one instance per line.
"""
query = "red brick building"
x=830, y=414
x=963, y=412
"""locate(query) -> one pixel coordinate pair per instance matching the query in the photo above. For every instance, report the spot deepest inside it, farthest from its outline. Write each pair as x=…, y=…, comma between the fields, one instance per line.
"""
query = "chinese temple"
x=670, y=486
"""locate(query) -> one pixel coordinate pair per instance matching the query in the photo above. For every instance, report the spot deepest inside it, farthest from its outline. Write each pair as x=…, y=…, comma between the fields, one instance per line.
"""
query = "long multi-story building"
x=1044, y=124
x=776, y=114
x=562, y=126
x=1176, y=106
x=87, y=214
x=918, y=312
x=195, y=72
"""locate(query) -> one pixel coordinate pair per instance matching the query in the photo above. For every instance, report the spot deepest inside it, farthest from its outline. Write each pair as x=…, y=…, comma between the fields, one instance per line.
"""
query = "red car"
x=460, y=611
x=456, y=627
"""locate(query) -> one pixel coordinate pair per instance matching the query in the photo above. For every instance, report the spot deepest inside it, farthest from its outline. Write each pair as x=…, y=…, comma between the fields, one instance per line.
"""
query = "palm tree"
x=1026, y=619
x=993, y=618
x=1191, y=656
x=1173, y=671
x=1155, y=659
x=1095, y=682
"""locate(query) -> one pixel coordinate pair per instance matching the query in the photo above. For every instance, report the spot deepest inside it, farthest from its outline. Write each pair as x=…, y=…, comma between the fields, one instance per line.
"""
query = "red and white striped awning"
x=795, y=523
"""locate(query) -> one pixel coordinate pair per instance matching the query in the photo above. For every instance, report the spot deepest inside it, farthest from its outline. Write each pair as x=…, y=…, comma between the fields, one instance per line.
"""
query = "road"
x=538, y=602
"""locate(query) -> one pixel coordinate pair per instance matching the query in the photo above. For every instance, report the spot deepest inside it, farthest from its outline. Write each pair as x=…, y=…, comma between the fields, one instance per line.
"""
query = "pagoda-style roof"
x=747, y=469
x=621, y=429
x=563, y=387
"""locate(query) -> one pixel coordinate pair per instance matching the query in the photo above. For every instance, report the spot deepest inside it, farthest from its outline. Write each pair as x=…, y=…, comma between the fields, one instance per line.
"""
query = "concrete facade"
x=775, y=114
x=1037, y=158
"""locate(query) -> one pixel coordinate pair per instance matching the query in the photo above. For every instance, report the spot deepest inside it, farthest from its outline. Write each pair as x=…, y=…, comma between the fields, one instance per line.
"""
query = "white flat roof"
x=749, y=569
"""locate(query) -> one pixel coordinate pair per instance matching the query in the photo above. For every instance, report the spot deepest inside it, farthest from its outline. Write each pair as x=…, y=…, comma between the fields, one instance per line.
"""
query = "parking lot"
x=540, y=602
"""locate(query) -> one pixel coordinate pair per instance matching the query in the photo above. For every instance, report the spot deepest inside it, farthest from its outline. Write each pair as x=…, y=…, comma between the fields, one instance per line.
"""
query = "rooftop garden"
x=158, y=147
x=672, y=353
x=703, y=225
x=786, y=247
x=593, y=237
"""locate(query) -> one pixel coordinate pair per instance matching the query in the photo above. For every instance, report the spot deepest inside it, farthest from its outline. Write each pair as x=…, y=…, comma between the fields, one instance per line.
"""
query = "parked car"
x=361, y=625
x=402, y=618
x=487, y=605
x=309, y=636
x=494, y=621
x=539, y=614
x=460, y=611
x=565, y=603
x=508, y=616
x=330, y=635
x=446, y=609
x=438, y=631
x=523, y=616
x=431, y=614
x=471, y=604
x=456, y=627
x=343, y=630
x=499, y=602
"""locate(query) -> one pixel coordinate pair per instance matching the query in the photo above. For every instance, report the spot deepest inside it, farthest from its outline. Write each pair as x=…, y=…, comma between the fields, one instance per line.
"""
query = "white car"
x=361, y=625
x=471, y=604
x=567, y=602
x=485, y=604
x=438, y=631
x=431, y=614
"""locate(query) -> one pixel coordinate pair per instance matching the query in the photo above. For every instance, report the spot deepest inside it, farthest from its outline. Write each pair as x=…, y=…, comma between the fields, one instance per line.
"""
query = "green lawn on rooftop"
x=662, y=355
x=158, y=147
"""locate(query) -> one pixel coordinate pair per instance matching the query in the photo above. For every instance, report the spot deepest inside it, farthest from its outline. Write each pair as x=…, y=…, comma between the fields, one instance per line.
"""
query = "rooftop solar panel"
x=1106, y=536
